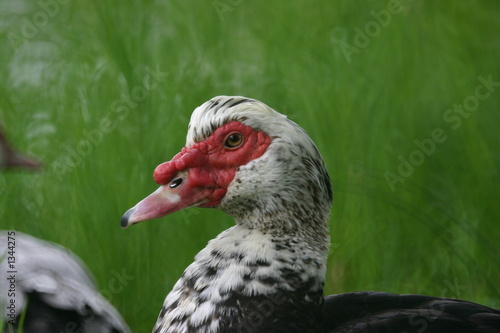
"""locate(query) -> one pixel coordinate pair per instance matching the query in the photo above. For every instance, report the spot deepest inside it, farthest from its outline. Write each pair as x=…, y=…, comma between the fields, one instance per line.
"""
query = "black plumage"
x=363, y=312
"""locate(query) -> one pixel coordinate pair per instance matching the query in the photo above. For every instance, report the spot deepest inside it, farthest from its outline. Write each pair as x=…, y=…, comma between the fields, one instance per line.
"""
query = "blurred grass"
x=436, y=234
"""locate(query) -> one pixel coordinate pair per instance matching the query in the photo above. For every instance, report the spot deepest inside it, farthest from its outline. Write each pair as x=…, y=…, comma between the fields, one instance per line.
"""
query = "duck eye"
x=234, y=140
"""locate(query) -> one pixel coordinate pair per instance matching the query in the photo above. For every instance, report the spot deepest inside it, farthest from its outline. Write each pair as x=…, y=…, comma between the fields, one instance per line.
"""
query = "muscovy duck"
x=51, y=288
x=266, y=274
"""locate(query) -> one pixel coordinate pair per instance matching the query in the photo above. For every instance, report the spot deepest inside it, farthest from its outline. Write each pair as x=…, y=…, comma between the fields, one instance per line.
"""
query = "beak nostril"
x=175, y=183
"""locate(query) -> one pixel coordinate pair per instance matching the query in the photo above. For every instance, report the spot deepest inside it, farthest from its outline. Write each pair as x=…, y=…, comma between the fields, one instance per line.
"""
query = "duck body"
x=372, y=312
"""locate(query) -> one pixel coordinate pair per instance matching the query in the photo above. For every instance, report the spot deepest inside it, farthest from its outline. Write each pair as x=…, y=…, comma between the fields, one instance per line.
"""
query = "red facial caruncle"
x=200, y=175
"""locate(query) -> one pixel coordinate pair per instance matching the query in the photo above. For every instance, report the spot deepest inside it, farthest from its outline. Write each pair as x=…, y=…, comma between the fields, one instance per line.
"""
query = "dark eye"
x=234, y=140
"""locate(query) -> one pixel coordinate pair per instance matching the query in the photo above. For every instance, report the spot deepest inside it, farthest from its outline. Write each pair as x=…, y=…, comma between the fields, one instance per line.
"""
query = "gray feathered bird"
x=53, y=287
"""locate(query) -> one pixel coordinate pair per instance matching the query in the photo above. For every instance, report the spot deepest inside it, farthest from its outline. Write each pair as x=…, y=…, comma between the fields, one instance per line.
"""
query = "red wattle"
x=212, y=165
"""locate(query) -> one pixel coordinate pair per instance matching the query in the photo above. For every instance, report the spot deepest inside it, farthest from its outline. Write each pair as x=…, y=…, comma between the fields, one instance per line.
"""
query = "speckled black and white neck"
x=266, y=273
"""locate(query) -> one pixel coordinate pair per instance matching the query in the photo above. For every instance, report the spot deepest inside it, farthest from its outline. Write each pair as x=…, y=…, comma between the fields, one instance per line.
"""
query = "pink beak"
x=187, y=180
x=15, y=160
x=11, y=159
x=168, y=198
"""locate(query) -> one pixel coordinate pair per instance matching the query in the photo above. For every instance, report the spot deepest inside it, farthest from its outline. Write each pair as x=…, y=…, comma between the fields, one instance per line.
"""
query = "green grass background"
x=437, y=233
